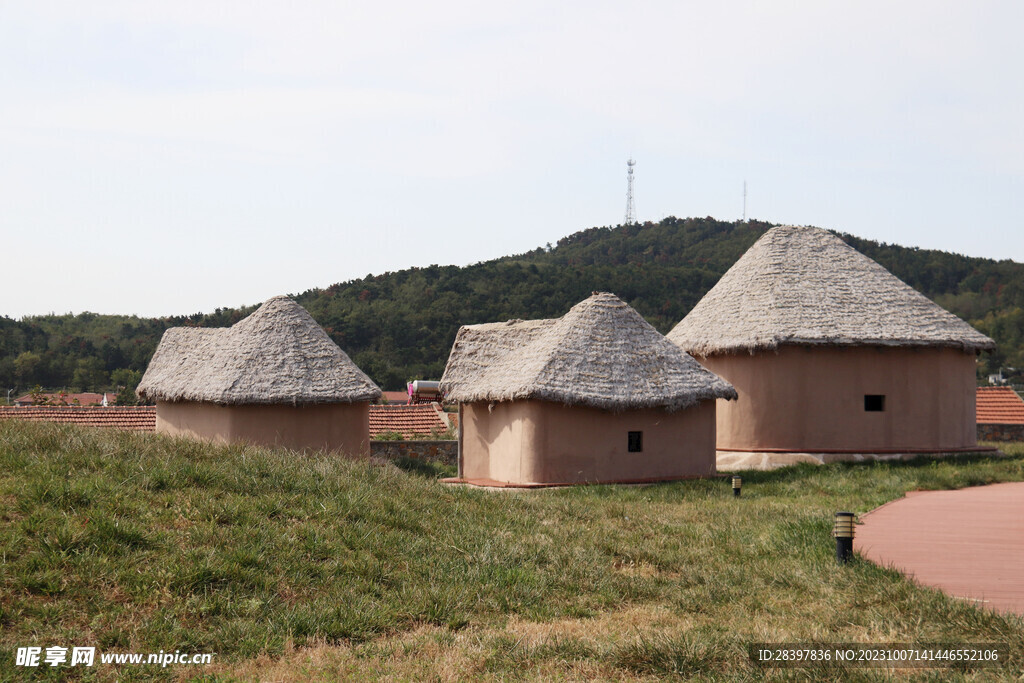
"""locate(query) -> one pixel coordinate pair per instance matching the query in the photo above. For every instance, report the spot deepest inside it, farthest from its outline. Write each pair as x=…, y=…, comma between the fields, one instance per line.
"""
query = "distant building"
x=274, y=378
x=597, y=395
x=1000, y=414
x=410, y=422
x=61, y=398
x=831, y=355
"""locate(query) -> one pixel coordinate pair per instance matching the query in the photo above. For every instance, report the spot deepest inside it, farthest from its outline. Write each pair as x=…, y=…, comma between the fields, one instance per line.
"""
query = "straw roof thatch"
x=277, y=355
x=801, y=285
x=601, y=354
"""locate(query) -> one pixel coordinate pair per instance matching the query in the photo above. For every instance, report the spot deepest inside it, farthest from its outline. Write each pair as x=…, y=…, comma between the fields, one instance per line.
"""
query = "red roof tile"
x=407, y=420
x=55, y=397
x=135, y=418
x=999, y=405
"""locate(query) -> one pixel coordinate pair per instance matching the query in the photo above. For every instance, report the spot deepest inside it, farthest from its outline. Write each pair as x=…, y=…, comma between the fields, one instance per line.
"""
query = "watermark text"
x=57, y=655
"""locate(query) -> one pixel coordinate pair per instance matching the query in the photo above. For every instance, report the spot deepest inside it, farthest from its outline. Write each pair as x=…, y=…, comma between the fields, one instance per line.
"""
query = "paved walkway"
x=968, y=543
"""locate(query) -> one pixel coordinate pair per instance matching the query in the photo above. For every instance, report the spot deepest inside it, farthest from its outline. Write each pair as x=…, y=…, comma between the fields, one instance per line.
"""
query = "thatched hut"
x=832, y=354
x=274, y=378
x=597, y=395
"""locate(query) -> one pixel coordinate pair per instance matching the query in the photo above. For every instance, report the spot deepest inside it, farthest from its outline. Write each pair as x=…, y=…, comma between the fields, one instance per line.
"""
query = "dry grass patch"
x=564, y=649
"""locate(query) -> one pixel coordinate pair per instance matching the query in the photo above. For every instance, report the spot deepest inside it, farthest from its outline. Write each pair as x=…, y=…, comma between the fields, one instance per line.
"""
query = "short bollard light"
x=843, y=532
x=737, y=484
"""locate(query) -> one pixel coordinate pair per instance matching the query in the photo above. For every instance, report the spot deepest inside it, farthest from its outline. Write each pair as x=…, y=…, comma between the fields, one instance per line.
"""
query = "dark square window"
x=636, y=442
x=874, y=403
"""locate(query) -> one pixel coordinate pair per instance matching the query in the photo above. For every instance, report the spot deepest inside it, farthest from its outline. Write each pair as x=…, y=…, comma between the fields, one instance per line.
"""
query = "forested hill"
x=399, y=326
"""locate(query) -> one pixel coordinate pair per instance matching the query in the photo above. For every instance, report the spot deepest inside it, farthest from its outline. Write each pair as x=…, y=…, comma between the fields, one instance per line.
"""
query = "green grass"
x=141, y=543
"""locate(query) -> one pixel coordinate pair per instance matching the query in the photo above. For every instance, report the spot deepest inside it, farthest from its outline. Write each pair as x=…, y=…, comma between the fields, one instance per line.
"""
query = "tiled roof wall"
x=999, y=405
x=407, y=420
x=135, y=418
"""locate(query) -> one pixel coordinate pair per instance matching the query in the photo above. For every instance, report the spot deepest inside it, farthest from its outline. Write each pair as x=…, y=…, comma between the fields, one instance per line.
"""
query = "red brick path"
x=968, y=543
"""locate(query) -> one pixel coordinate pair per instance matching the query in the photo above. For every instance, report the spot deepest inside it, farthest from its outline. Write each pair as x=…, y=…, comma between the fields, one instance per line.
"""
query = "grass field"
x=296, y=567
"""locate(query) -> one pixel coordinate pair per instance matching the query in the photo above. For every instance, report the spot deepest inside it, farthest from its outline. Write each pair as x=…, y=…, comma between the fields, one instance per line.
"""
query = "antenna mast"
x=744, y=201
x=630, y=208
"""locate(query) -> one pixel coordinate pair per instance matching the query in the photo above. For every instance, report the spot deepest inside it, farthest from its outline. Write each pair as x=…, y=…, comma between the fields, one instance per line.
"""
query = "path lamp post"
x=843, y=532
x=737, y=485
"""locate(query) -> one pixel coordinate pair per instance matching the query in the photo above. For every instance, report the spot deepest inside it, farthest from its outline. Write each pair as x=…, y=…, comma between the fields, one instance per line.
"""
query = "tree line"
x=400, y=325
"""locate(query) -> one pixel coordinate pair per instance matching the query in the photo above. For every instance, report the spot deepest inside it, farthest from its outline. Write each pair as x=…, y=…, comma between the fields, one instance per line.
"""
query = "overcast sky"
x=173, y=157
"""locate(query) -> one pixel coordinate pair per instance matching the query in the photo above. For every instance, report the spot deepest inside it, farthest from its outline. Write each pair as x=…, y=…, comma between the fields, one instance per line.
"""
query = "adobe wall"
x=537, y=442
x=343, y=427
x=811, y=399
x=205, y=421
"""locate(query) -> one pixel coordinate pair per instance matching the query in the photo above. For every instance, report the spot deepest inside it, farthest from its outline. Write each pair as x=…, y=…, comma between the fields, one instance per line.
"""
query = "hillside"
x=325, y=568
x=400, y=325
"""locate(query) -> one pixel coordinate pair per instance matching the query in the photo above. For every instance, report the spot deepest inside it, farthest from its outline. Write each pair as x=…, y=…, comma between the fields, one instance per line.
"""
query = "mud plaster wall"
x=342, y=427
x=541, y=442
x=806, y=398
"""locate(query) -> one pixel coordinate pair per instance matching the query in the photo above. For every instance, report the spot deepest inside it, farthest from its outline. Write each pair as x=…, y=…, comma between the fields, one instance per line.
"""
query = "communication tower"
x=630, y=208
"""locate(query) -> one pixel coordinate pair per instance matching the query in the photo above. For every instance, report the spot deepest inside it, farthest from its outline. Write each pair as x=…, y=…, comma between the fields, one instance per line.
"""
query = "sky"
x=163, y=158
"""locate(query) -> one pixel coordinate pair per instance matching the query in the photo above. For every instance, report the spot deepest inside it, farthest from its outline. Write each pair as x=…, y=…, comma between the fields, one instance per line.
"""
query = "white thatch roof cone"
x=277, y=355
x=601, y=354
x=800, y=285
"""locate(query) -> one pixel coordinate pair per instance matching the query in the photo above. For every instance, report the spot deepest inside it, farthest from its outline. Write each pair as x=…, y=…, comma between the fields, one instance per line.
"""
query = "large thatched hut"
x=832, y=354
x=597, y=395
x=274, y=378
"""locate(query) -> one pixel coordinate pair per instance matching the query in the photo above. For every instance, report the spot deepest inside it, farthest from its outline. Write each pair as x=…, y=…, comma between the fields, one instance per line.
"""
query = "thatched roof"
x=799, y=285
x=277, y=355
x=601, y=354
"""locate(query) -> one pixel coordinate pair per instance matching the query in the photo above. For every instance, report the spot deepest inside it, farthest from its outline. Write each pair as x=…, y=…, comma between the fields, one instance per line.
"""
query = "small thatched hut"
x=832, y=354
x=597, y=395
x=274, y=378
